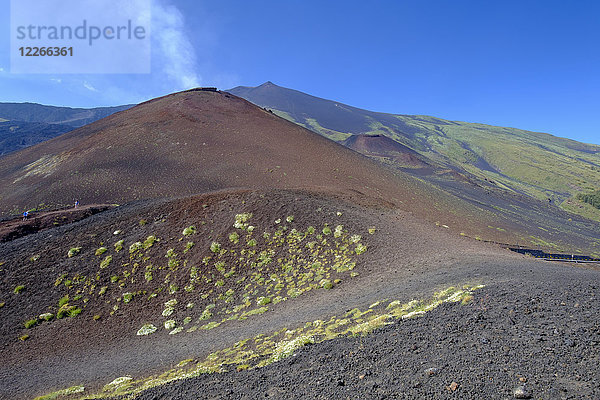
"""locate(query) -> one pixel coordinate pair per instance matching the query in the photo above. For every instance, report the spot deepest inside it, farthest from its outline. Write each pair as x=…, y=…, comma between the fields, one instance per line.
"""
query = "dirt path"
x=38, y=221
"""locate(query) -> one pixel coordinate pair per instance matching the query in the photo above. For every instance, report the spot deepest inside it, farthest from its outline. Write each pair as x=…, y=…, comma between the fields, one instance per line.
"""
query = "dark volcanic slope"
x=533, y=320
x=182, y=144
x=476, y=164
x=300, y=106
x=90, y=350
x=533, y=333
x=383, y=146
x=538, y=165
x=198, y=141
x=212, y=270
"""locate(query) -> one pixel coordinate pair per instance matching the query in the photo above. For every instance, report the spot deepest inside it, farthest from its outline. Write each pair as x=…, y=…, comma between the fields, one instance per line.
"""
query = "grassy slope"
x=536, y=164
x=542, y=166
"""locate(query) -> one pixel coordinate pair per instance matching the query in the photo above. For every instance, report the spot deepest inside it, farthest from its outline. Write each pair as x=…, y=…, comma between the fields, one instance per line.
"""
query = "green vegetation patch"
x=30, y=323
x=591, y=198
x=360, y=248
x=63, y=300
x=105, y=263
x=146, y=330
x=215, y=247
x=263, y=349
x=149, y=242
x=19, y=289
x=119, y=245
x=60, y=393
x=118, y=383
x=46, y=316
x=190, y=230
x=241, y=221
x=188, y=247
x=73, y=251
x=127, y=297
x=135, y=247
x=236, y=274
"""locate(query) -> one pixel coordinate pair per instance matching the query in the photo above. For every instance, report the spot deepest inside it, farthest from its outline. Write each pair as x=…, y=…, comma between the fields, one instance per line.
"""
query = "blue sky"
x=527, y=64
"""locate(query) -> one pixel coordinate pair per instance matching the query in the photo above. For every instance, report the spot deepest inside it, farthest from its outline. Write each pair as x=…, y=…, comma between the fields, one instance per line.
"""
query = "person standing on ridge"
x=25, y=215
x=76, y=203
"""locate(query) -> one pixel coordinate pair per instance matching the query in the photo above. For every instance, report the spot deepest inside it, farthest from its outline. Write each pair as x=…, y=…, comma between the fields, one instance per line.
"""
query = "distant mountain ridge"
x=75, y=117
x=539, y=165
x=26, y=124
x=16, y=135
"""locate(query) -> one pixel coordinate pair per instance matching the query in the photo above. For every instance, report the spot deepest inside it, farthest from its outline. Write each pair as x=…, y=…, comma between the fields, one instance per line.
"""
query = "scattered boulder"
x=521, y=392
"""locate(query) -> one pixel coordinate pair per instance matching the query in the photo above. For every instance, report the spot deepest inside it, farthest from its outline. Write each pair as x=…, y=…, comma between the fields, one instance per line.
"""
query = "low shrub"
x=190, y=230
x=30, y=323
x=73, y=251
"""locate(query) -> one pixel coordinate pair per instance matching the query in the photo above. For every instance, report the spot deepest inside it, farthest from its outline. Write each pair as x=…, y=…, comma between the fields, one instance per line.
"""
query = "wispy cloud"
x=172, y=45
x=89, y=87
x=175, y=65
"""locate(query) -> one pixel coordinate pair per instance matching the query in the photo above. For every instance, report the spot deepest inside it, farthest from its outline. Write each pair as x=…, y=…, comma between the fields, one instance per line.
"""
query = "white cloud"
x=181, y=49
x=172, y=45
x=89, y=87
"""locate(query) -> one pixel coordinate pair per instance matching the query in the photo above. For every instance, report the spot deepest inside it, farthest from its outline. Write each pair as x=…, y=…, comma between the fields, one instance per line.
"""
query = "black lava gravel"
x=516, y=339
